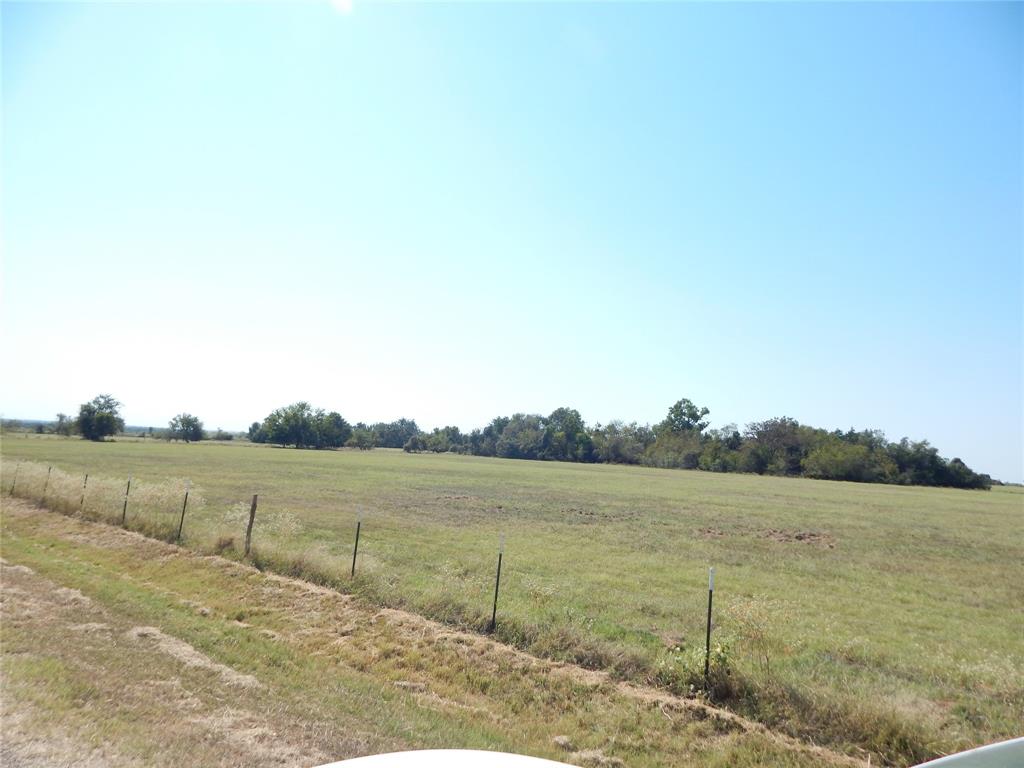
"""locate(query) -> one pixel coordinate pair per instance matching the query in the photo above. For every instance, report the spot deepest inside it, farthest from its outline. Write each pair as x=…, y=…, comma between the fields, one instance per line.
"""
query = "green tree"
x=836, y=460
x=415, y=444
x=679, y=438
x=919, y=463
x=444, y=439
x=291, y=425
x=959, y=475
x=362, y=439
x=774, y=447
x=522, y=437
x=721, y=450
x=303, y=426
x=684, y=416
x=257, y=433
x=396, y=433
x=185, y=427
x=65, y=425
x=566, y=437
x=618, y=443
x=99, y=418
x=486, y=443
x=332, y=431
x=678, y=450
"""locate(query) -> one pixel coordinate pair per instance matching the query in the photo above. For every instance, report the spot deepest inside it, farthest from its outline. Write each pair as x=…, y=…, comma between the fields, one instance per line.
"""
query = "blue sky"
x=453, y=211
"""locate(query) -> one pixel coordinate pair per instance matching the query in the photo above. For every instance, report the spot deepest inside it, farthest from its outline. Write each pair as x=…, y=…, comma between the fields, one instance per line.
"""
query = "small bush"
x=223, y=544
x=682, y=671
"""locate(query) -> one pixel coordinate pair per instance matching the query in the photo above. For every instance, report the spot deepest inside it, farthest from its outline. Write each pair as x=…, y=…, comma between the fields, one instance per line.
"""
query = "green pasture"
x=873, y=618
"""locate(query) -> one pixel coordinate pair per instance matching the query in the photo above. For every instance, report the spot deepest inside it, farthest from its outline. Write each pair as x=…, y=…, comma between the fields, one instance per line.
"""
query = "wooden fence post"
x=248, y=529
x=124, y=509
x=181, y=523
x=355, y=549
x=81, y=504
x=46, y=484
x=15, y=480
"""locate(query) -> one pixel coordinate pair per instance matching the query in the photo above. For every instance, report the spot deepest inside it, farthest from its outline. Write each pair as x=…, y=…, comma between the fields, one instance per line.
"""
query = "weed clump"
x=681, y=671
x=223, y=544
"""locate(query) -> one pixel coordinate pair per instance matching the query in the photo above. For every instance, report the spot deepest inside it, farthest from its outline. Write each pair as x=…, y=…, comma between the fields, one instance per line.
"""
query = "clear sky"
x=454, y=211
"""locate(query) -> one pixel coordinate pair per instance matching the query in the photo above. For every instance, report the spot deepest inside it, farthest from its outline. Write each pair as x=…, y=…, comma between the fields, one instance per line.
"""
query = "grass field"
x=124, y=651
x=872, y=618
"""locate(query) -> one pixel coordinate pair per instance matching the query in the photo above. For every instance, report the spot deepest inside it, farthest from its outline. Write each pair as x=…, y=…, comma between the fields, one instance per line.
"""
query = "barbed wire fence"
x=457, y=587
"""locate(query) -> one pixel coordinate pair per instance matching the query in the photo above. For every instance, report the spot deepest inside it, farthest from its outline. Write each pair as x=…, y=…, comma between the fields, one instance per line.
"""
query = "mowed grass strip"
x=875, y=618
x=129, y=650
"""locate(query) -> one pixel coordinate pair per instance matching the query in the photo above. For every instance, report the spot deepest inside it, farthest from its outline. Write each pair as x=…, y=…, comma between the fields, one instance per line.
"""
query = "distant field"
x=868, y=617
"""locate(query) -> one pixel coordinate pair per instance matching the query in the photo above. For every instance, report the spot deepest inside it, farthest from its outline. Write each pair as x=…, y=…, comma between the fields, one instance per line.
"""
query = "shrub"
x=681, y=670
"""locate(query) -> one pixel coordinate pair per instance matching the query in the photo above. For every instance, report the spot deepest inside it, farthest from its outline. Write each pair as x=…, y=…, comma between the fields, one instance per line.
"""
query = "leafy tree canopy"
x=185, y=427
x=684, y=416
x=303, y=426
x=99, y=418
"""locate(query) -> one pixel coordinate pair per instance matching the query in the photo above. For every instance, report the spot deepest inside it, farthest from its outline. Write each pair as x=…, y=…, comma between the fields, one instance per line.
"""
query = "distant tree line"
x=303, y=426
x=778, y=446
x=100, y=418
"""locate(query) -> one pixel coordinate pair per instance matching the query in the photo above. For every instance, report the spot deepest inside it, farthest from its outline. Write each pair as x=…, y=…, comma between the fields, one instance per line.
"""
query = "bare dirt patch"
x=816, y=538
